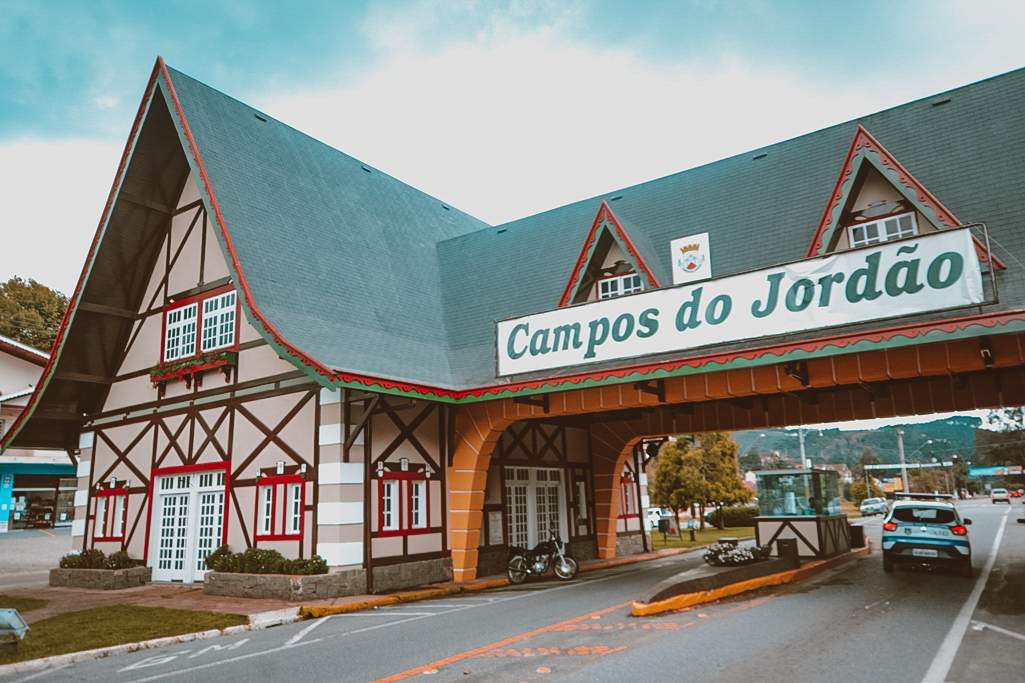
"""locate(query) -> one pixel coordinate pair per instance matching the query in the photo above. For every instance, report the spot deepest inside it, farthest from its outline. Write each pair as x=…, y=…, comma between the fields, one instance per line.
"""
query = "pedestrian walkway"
x=192, y=597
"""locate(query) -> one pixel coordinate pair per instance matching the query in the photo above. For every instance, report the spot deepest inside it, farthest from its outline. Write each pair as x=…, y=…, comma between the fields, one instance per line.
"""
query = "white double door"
x=536, y=504
x=189, y=521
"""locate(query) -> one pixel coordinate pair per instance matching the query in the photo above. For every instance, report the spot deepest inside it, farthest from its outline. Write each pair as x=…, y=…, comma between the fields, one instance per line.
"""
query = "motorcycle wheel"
x=517, y=570
x=566, y=568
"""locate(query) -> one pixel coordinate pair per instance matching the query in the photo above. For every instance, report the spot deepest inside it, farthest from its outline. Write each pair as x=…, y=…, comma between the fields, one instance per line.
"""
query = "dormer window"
x=883, y=230
x=619, y=285
x=200, y=324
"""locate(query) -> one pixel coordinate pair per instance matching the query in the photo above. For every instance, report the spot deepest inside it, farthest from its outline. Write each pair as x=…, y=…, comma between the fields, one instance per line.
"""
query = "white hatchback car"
x=999, y=496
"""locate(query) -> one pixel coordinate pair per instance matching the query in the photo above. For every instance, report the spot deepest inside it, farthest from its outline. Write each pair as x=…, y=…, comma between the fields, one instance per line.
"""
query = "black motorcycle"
x=550, y=554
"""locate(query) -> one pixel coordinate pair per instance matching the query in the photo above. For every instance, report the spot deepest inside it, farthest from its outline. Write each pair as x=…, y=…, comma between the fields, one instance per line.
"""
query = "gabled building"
x=36, y=487
x=273, y=344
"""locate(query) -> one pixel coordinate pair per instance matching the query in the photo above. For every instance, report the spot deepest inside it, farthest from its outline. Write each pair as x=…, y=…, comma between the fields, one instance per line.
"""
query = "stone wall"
x=100, y=579
x=286, y=587
x=408, y=574
x=630, y=543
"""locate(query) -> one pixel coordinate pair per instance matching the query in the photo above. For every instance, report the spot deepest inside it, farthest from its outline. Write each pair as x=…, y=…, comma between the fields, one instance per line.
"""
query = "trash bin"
x=857, y=536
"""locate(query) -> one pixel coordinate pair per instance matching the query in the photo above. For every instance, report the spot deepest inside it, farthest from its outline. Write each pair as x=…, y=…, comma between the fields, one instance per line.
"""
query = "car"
x=1017, y=493
x=999, y=496
x=874, y=506
x=918, y=532
x=655, y=514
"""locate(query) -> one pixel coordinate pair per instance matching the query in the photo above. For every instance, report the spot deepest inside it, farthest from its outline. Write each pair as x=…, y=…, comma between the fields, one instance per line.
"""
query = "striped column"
x=340, y=489
x=79, y=524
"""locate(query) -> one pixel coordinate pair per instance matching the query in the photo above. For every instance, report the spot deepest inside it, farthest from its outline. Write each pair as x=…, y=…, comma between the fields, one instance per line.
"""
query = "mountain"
x=949, y=436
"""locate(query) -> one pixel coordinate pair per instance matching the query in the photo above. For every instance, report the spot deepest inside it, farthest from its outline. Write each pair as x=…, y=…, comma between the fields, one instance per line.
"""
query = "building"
x=276, y=345
x=37, y=488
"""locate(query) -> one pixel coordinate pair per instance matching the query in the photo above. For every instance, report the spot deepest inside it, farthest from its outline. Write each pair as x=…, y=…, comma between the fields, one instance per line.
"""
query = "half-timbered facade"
x=275, y=345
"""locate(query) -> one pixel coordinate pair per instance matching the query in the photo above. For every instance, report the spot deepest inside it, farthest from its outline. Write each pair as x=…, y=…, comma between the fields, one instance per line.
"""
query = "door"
x=536, y=503
x=189, y=524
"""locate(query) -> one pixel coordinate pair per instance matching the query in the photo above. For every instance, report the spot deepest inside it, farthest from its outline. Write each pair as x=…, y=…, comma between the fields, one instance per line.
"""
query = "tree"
x=1004, y=443
x=857, y=491
x=677, y=482
x=751, y=461
x=30, y=312
x=724, y=484
x=868, y=457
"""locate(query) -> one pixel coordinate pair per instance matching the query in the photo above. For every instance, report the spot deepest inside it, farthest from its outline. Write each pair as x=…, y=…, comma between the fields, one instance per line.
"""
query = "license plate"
x=924, y=552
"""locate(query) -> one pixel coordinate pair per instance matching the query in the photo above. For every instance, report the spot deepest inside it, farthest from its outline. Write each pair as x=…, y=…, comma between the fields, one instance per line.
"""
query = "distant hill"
x=950, y=436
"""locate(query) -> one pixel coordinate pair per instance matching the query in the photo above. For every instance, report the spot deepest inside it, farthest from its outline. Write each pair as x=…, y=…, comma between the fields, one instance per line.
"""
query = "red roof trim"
x=242, y=283
x=862, y=138
x=73, y=301
x=604, y=214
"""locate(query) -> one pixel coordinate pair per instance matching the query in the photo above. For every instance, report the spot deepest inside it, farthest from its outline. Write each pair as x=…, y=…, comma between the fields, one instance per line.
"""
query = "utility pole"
x=800, y=439
x=903, y=464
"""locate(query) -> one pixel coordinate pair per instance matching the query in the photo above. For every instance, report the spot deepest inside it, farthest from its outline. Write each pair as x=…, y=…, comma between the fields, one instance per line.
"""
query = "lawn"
x=710, y=535
x=115, y=625
x=21, y=604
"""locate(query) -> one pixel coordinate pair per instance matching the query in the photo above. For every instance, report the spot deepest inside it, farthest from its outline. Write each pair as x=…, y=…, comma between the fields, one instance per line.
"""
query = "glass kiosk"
x=803, y=505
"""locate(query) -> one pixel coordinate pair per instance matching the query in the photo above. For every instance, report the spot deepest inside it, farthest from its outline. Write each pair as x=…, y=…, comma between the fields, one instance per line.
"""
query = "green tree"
x=724, y=484
x=1004, y=442
x=30, y=312
x=677, y=482
x=751, y=461
x=857, y=491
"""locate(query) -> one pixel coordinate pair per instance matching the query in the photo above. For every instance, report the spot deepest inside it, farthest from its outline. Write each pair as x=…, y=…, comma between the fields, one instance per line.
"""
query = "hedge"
x=261, y=561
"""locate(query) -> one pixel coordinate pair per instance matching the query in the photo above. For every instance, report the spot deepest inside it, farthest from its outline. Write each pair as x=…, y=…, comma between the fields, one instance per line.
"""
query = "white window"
x=389, y=502
x=610, y=288
x=100, y=521
x=295, y=511
x=883, y=230
x=266, y=509
x=535, y=500
x=180, y=333
x=418, y=494
x=219, y=321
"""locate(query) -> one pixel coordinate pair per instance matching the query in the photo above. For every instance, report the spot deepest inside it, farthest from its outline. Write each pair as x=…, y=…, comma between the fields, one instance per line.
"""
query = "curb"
x=257, y=622
x=317, y=611
x=679, y=602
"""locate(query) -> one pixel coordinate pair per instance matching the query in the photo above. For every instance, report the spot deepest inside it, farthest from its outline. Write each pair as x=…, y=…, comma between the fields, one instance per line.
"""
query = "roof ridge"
x=375, y=169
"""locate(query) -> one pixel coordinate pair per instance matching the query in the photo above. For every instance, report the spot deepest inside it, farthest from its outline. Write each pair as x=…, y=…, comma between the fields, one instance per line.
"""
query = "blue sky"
x=500, y=108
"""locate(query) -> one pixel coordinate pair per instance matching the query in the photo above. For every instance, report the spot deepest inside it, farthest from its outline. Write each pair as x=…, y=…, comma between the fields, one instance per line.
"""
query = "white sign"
x=936, y=271
x=691, y=258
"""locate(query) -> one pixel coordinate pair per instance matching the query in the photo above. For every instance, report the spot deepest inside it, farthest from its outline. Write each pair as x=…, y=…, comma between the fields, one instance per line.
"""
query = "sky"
x=502, y=109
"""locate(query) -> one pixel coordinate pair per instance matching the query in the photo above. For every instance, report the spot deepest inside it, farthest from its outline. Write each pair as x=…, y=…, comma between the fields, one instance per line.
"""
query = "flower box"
x=101, y=579
x=192, y=369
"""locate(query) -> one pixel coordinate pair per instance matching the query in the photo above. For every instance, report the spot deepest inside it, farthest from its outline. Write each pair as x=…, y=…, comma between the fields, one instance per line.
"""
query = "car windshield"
x=999, y=490
x=924, y=515
x=871, y=501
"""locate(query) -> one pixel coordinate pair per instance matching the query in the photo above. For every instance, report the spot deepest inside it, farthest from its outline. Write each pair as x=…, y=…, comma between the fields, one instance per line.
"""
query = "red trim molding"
x=605, y=215
x=864, y=140
x=187, y=469
x=108, y=497
x=275, y=482
x=403, y=505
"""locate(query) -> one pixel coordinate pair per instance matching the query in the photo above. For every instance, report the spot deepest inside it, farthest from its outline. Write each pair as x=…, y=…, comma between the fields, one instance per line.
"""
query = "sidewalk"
x=62, y=600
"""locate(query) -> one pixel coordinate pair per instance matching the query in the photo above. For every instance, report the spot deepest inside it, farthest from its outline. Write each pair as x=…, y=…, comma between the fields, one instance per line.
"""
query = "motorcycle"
x=550, y=554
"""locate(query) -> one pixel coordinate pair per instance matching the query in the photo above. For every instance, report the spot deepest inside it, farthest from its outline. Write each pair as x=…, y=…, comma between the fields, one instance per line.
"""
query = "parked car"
x=874, y=506
x=655, y=514
x=1017, y=493
x=999, y=496
x=926, y=532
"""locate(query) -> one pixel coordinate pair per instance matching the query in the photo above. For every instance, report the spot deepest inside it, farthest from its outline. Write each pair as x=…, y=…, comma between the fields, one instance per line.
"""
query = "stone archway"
x=909, y=380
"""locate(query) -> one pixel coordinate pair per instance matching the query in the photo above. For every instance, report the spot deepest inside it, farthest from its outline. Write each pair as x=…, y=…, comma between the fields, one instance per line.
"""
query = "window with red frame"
x=109, y=514
x=200, y=324
x=280, y=507
x=628, y=495
x=403, y=504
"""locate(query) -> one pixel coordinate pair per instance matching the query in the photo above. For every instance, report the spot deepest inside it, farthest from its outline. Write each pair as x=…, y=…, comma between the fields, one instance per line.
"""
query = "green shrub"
x=261, y=561
x=736, y=516
x=87, y=559
x=121, y=560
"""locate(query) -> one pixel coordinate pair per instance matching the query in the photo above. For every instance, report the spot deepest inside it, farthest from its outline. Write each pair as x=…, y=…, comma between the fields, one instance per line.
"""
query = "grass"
x=710, y=535
x=115, y=625
x=21, y=604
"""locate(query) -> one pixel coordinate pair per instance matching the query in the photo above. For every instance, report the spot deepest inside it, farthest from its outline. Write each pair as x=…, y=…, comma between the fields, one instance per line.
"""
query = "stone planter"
x=285, y=586
x=101, y=579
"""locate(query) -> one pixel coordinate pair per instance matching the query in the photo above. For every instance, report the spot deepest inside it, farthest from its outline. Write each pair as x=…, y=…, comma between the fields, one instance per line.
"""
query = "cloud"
x=514, y=120
x=52, y=194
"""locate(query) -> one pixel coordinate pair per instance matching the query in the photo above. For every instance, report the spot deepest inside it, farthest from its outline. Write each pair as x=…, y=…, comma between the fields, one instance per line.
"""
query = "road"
x=851, y=624
x=26, y=556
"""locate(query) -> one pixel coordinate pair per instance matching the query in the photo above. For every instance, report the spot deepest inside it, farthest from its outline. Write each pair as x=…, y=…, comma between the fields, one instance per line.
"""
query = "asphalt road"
x=851, y=624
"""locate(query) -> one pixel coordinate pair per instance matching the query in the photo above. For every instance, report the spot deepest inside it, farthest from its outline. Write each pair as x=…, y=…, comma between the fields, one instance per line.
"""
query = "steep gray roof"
x=969, y=151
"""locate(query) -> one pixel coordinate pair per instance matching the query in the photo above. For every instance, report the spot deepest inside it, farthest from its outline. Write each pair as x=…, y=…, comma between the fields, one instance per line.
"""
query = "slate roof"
x=967, y=146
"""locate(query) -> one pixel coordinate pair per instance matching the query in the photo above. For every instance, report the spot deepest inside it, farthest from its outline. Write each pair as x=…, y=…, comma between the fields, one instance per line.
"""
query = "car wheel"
x=887, y=563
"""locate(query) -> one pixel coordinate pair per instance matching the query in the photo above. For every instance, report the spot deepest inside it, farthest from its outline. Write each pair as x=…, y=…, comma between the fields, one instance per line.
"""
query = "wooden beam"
x=540, y=401
x=101, y=309
x=146, y=203
x=57, y=415
x=658, y=389
x=82, y=377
